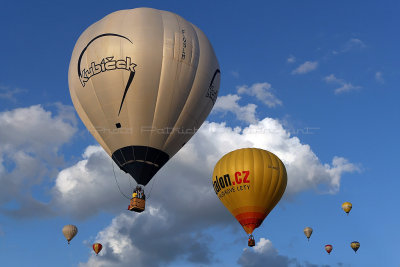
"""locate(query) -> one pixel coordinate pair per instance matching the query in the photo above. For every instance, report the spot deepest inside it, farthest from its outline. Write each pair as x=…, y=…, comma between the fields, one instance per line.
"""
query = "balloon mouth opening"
x=141, y=162
x=250, y=218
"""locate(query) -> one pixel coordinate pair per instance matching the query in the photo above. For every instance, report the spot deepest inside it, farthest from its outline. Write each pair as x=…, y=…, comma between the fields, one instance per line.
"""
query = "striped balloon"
x=97, y=248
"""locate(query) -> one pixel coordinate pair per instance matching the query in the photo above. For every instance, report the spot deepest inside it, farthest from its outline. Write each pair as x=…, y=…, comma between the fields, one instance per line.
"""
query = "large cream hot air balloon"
x=143, y=81
x=69, y=231
x=308, y=231
x=249, y=182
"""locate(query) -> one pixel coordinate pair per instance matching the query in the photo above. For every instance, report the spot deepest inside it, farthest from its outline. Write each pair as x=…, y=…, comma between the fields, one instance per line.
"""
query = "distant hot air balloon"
x=97, y=248
x=346, y=206
x=328, y=249
x=249, y=182
x=355, y=246
x=69, y=231
x=143, y=81
x=308, y=231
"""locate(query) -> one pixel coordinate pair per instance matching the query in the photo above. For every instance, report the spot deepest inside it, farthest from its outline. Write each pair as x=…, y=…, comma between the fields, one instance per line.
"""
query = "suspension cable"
x=130, y=182
x=154, y=181
x=115, y=177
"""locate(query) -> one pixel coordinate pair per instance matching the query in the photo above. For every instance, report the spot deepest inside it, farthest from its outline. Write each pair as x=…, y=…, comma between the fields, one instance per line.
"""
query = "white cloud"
x=291, y=59
x=332, y=79
x=306, y=67
x=263, y=92
x=229, y=103
x=379, y=77
x=182, y=203
x=91, y=180
x=34, y=129
x=344, y=86
x=264, y=254
x=29, y=142
x=149, y=239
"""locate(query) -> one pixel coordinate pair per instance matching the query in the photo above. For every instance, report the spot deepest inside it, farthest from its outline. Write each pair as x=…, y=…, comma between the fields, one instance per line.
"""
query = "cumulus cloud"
x=182, y=203
x=306, y=67
x=263, y=92
x=149, y=239
x=264, y=254
x=94, y=172
x=29, y=142
x=247, y=113
x=230, y=103
x=344, y=86
x=90, y=181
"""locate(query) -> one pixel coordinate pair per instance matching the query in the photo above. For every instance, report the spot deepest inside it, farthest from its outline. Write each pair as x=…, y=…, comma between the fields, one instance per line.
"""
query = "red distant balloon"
x=97, y=247
x=328, y=249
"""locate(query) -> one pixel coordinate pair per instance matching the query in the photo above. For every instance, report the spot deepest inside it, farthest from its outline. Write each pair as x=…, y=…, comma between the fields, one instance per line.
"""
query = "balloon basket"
x=251, y=243
x=137, y=204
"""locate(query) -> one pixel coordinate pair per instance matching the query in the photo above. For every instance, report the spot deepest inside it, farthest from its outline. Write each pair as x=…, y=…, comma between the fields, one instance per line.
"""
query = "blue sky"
x=312, y=81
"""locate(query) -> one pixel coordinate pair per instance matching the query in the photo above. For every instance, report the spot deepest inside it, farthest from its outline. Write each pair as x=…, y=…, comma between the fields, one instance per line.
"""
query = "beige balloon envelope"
x=308, y=231
x=143, y=81
x=69, y=231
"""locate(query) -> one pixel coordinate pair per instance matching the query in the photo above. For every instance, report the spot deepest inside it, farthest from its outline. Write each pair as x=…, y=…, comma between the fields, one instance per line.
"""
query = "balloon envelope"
x=308, y=231
x=355, y=245
x=249, y=182
x=328, y=248
x=347, y=206
x=69, y=231
x=143, y=81
x=97, y=248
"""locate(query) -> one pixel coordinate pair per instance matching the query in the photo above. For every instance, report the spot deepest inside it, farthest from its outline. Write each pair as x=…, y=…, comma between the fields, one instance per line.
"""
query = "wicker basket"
x=137, y=204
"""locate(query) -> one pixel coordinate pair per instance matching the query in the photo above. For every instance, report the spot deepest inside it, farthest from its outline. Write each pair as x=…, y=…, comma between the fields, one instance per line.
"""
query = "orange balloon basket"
x=137, y=204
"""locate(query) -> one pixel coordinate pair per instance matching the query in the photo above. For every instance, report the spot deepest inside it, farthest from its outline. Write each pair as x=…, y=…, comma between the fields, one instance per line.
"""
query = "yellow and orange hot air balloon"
x=347, y=206
x=249, y=182
x=97, y=248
